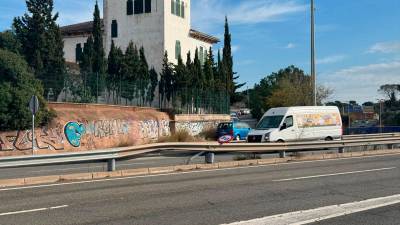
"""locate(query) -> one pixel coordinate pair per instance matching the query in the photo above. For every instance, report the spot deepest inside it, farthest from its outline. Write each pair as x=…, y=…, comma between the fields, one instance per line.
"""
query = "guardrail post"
x=282, y=154
x=111, y=165
x=391, y=146
x=341, y=150
x=209, y=157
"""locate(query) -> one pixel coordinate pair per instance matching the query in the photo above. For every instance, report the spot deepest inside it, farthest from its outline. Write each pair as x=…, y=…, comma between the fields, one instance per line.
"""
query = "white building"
x=157, y=25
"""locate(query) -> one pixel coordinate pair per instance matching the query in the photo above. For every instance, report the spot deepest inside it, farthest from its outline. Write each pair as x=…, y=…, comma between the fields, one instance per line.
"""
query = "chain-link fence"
x=95, y=88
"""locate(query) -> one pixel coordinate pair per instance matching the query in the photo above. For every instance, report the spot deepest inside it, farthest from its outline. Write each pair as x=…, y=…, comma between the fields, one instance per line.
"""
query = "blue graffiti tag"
x=73, y=133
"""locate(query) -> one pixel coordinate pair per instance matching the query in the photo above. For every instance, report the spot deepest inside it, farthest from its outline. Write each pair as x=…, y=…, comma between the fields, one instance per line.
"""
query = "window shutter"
x=178, y=8
x=177, y=49
x=129, y=7
x=138, y=6
x=78, y=52
x=173, y=6
x=114, y=29
x=182, y=9
x=147, y=6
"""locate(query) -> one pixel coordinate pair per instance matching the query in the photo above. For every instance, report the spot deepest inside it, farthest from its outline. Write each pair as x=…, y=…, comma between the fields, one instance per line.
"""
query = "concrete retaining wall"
x=195, y=124
x=80, y=127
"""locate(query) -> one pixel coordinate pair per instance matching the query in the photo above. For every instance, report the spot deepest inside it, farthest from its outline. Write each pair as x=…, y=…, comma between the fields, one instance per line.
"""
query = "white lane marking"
x=323, y=213
x=189, y=172
x=33, y=210
x=334, y=174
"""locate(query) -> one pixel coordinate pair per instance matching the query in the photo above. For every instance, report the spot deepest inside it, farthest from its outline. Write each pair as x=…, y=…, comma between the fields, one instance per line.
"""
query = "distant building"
x=157, y=25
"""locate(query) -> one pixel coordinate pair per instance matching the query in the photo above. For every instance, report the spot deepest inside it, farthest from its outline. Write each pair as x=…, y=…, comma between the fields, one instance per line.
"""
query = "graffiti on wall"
x=153, y=129
x=45, y=138
x=82, y=134
x=195, y=128
x=73, y=133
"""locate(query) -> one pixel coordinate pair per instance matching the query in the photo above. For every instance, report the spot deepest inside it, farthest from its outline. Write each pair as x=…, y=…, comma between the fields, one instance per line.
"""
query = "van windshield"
x=269, y=122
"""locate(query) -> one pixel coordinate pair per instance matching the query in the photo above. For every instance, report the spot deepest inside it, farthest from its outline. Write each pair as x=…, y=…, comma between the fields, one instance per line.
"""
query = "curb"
x=183, y=168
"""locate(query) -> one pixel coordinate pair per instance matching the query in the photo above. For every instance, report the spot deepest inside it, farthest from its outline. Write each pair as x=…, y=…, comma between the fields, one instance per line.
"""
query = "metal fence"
x=94, y=88
x=372, y=130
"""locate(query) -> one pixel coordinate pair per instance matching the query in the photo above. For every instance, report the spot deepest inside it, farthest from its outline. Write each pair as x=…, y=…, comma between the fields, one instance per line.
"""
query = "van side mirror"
x=284, y=126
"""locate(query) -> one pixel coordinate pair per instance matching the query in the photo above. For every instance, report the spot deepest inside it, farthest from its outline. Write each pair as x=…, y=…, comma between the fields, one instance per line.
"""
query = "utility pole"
x=313, y=69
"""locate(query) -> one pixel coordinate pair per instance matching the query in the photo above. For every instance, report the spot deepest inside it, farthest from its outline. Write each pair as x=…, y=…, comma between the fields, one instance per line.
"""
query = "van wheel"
x=280, y=141
x=328, y=139
x=237, y=138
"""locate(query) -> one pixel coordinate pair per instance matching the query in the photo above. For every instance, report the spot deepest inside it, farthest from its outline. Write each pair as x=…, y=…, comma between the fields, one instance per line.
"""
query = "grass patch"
x=209, y=134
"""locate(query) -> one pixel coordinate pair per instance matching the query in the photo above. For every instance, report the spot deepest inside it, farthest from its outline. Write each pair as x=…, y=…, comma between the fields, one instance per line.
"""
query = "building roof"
x=203, y=36
x=84, y=28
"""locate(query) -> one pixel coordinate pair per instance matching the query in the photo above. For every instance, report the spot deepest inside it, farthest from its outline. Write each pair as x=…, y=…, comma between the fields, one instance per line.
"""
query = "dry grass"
x=209, y=134
x=180, y=136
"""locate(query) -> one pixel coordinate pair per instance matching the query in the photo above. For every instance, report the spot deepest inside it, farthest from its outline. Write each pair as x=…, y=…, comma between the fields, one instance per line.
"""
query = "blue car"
x=238, y=130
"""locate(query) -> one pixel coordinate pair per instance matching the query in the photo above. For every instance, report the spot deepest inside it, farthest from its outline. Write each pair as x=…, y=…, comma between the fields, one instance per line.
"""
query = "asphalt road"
x=210, y=197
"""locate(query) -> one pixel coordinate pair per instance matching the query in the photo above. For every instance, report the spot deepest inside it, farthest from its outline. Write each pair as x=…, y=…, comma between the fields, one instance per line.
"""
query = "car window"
x=269, y=122
x=225, y=126
x=289, y=121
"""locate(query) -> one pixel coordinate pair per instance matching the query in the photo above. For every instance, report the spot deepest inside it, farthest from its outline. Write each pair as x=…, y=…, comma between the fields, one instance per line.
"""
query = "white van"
x=306, y=123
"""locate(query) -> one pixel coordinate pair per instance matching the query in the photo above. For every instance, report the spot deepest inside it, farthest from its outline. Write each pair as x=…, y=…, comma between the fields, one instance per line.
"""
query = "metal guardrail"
x=111, y=155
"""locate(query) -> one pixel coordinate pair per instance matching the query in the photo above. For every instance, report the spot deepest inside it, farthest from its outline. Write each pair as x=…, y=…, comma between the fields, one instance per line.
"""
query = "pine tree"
x=42, y=44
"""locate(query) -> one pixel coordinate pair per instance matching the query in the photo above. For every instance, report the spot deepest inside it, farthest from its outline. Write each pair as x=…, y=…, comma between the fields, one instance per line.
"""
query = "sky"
x=357, y=41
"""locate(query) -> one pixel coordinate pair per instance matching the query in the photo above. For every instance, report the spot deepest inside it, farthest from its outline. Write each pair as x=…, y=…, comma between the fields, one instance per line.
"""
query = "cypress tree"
x=115, y=64
x=144, y=76
x=130, y=72
x=167, y=80
x=42, y=44
x=227, y=65
x=97, y=78
x=153, y=85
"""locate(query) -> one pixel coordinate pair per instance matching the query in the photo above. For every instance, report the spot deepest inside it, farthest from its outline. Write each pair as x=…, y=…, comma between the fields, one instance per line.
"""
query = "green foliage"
x=17, y=85
x=226, y=70
x=287, y=87
x=42, y=44
x=8, y=41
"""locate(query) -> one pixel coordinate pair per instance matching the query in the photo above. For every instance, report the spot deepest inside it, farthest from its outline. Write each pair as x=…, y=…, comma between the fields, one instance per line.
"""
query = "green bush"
x=17, y=85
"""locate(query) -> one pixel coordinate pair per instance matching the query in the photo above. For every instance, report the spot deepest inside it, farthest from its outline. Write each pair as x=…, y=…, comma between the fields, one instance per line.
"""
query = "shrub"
x=17, y=85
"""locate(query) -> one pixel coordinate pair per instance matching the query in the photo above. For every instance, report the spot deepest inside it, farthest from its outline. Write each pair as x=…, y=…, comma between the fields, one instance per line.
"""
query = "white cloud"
x=385, y=47
x=208, y=13
x=75, y=11
x=235, y=48
x=361, y=82
x=331, y=59
x=290, y=46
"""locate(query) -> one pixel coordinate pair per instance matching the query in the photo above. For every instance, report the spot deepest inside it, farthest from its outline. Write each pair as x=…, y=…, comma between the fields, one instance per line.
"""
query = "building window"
x=78, y=52
x=147, y=6
x=129, y=7
x=138, y=6
x=177, y=50
x=114, y=29
x=178, y=8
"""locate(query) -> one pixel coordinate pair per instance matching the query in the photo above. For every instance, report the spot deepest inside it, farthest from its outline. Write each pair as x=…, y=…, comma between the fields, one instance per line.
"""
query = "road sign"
x=34, y=105
x=225, y=139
